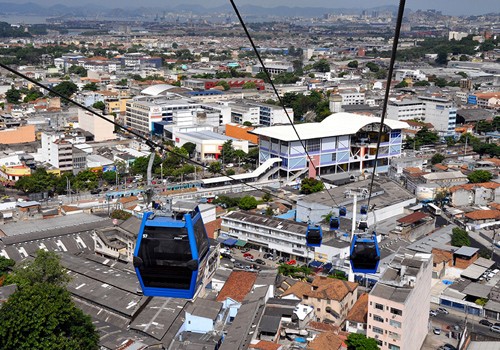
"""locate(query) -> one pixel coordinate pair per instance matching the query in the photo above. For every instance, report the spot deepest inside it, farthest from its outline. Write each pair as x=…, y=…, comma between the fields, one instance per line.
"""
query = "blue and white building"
x=342, y=142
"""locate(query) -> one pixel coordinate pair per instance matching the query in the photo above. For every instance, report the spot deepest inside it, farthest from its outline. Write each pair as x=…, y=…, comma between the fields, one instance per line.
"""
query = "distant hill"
x=29, y=8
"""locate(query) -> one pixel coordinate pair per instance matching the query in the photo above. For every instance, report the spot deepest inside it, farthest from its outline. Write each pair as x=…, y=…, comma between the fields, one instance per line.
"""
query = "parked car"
x=291, y=262
x=442, y=310
x=495, y=329
x=433, y=313
x=269, y=256
x=486, y=323
x=249, y=258
x=239, y=265
x=247, y=254
x=245, y=250
x=449, y=347
x=497, y=324
x=437, y=331
x=260, y=261
x=226, y=255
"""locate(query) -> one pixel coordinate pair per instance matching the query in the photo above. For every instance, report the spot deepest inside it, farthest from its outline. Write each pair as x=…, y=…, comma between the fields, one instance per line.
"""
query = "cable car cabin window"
x=163, y=252
x=201, y=238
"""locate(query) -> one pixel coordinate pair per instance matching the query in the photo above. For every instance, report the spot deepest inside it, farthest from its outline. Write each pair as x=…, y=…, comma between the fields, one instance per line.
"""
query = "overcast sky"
x=453, y=7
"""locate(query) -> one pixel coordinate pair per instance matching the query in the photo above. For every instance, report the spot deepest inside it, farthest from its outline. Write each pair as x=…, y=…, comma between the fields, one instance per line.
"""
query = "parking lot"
x=248, y=259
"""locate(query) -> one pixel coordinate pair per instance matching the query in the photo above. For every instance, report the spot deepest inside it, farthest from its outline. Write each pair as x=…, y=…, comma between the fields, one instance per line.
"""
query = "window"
x=393, y=347
x=379, y=306
x=378, y=318
x=313, y=145
x=395, y=323
x=396, y=311
x=378, y=330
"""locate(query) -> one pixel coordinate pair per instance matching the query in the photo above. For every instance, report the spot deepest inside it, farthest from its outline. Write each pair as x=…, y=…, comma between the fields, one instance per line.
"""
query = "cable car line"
x=387, y=90
x=264, y=69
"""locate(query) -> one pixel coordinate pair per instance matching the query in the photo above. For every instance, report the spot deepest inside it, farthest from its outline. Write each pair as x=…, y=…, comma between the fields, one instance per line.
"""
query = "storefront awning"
x=230, y=242
x=240, y=243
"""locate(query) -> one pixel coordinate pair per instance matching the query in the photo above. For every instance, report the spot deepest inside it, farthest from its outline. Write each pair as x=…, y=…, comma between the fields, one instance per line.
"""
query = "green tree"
x=120, y=214
x=215, y=167
x=269, y=211
x=266, y=197
x=478, y=176
x=322, y=66
x=5, y=265
x=311, y=185
x=13, y=95
x=99, y=105
x=90, y=87
x=459, y=237
x=437, y=158
x=230, y=172
x=109, y=177
x=224, y=84
x=481, y=301
x=43, y=316
x=79, y=70
x=190, y=147
x=402, y=84
x=442, y=58
x=39, y=181
x=249, y=85
x=45, y=268
x=247, y=123
x=421, y=83
x=66, y=88
x=357, y=341
x=247, y=203
x=353, y=64
x=227, y=152
x=373, y=67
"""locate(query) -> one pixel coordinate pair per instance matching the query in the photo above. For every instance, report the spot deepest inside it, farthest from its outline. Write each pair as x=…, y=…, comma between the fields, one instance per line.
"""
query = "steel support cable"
x=264, y=69
x=153, y=145
x=387, y=90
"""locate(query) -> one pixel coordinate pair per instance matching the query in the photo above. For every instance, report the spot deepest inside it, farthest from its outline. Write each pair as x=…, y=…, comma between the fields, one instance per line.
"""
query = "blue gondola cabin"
x=314, y=236
x=365, y=254
x=171, y=254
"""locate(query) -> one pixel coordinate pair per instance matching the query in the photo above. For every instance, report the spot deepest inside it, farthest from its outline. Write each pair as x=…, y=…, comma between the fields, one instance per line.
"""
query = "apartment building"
x=352, y=97
x=441, y=112
x=398, y=305
x=287, y=238
x=143, y=112
x=273, y=68
x=259, y=113
x=413, y=109
x=101, y=128
x=331, y=298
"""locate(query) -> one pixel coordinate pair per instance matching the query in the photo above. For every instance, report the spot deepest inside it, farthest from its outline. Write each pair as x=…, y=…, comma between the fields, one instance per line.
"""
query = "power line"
x=387, y=90
x=264, y=69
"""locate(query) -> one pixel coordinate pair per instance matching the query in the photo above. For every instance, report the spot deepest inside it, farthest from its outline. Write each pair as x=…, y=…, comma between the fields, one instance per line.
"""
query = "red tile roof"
x=213, y=226
x=237, y=286
x=265, y=345
x=468, y=187
x=359, y=310
x=322, y=288
x=412, y=218
x=483, y=214
x=326, y=341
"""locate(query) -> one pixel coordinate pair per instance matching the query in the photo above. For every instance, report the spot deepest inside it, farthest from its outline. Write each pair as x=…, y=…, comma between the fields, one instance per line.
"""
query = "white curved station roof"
x=336, y=124
x=155, y=90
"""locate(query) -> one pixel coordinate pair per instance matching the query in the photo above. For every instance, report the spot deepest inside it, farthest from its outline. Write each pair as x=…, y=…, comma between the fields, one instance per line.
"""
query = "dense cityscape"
x=343, y=208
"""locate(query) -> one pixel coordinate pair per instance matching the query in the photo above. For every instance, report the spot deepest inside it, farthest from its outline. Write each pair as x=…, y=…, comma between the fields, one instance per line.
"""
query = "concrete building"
x=413, y=109
x=144, y=111
x=475, y=194
x=283, y=237
x=357, y=318
x=273, y=68
x=331, y=298
x=441, y=112
x=57, y=151
x=101, y=129
x=342, y=142
x=352, y=97
x=397, y=165
x=208, y=143
x=258, y=113
x=398, y=305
